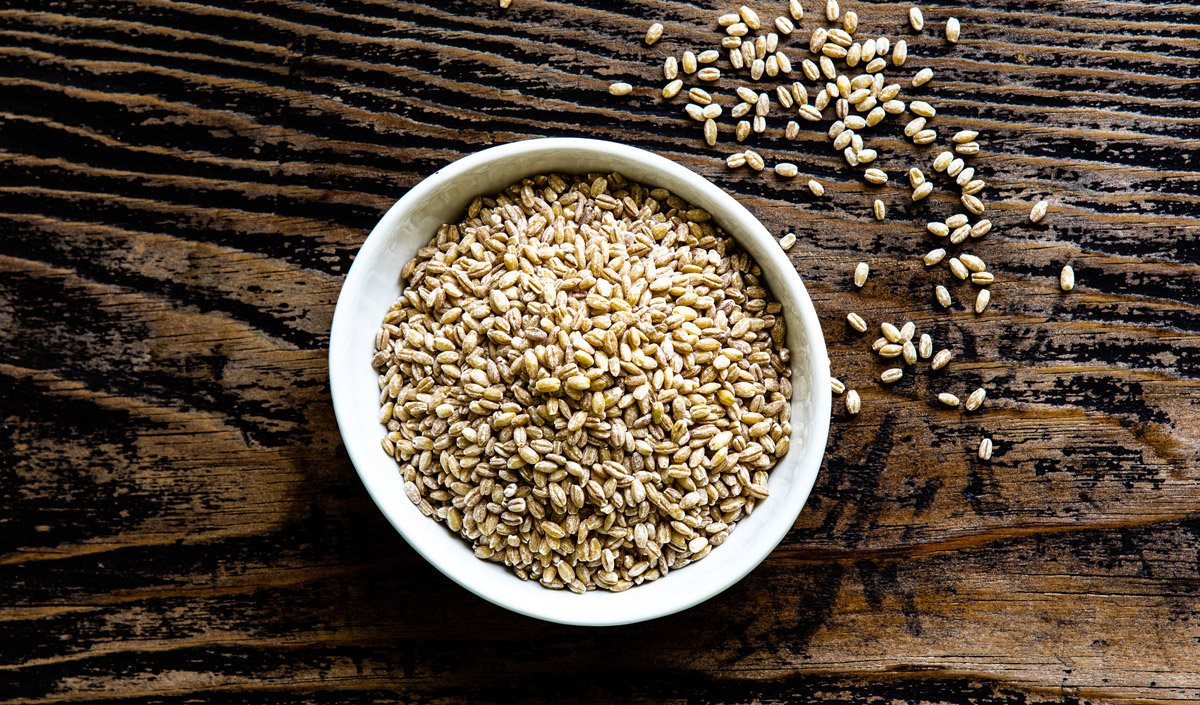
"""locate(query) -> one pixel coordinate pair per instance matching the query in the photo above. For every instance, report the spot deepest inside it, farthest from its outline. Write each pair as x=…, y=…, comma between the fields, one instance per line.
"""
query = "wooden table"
x=184, y=185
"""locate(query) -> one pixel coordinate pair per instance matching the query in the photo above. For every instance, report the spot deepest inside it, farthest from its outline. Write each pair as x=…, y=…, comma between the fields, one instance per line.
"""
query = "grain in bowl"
x=586, y=379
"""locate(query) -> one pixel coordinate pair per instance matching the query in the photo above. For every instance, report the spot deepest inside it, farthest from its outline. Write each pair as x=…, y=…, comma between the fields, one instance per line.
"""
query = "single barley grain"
x=816, y=187
x=875, y=176
x=948, y=399
x=974, y=186
x=757, y=68
x=908, y=330
x=792, y=131
x=981, y=228
x=973, y=204
x=1066, y=278
x=695, y=112
x=920, y=107
x=850, y=156
x=972, y=262
x=737, y=29
x=982, y=299
x=728, y=42
x=1039, y=211
x=620, y=88
x=750, y=17
x=708, y=74
x=914, y=126
x=957, y=220
x=729, y=19
x=672, y=89
x=937, y=229
x=866, y=156
x=909, y=351
x=855, y=122
x=922, y=191
x=699, y=96
x=982, y=278
x=854, y=55
x=688, y=63
x=915, y=18
x=960, y=234
x=892, y=375
x=821, y=101
x=834, y=51
x=891, y=332
x=860, y=273
x=954, y=167
x=785, y=64
x=879, y=344
x=742, y=130
x=925, y=347
x=831, y=10
x=735, y=160
x=952, y=30
x=670, y=68
x=795, y=9
x=850, y=21
x=941, y=359
x=915, y=177
x=772, y=66
x=964, y=136
x=710, y=131
x=880, y=209
x=942, y=161
x=967, y=148
x=810, y=113
x=922, y=77
x=875, y=116
x=975, y=400
x=841, y=37
x=711, y=111
x=882, y=44
x=853, y=403
x=985, y=449
x=784, y=25
x=893, y=107
x=754, y=161
x=800, y=93
x=784, y=96
x=816, y=41
x=786, y=169
x=943, y=296
x=964, y=177
x=736, y=59
x=843, y=140
x=856, y=322
x=900, y=52
x=654, y=33
x=958, y=269
x=934, y=256
x=708, y=56
x=868, y=50
x=875, y=65
x=760, y=124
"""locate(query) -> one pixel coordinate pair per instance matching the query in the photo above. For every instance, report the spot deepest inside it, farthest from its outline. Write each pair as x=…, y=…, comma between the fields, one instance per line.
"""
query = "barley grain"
x=922, y=191
x=943, y=296
x=737, y=29
x=879, y=344
x=750, y=17
x=855, y=122
x=866, y=156
x=953, y=29
x=728, y=19
x=741, y=110
x=920, y=107
x=914, y=126
x=670, y=68
x=1066, y=278
x=967, y=148
x=981, y=228
x=784, y=25
x=831, y=10
x=760, y=124
x=982, y=299
x=810, y=113
x=925, y=347
x=941, y=359
x=708, y=56
x=800, y=93
x=915, y=177
x=985, y=449
x=710, y=130
x=792, y=131
x=882, y=44
x=860, y=272
x=875, y=116
x=880, y=209
x=875, y=176
x=868, y=50
x=959, y=234
x=784, y=63
x=620, y=88
x=695, y=112
x=893, y=107
x=955, y=167
x=934, y=256
x=728, y=42
x=975, y=400
x=708, y=74
x=964, y=177
x=795, y=9
x=816, y=40
x=982, y=278
x=937, y=229
x=958, y=269
x=672, y=89
x=837, y=385
x=853, y=403
x=972, y=262
x=757, y=68
x=841, y=37
x=922, y=77
x=850, y=21
x=1038, y=212
x=772, y=66
x=915, y=18
x=875, y=65
x=736, y=59
x=891, y=332
x=754, y=161
x=973, y=204
x=892, y=375
x=900, y=52
x=909, y=351
x=957, y=220
x=654, y=33
x=834, y=51
x=948, y=399
x=735, y=160
x=786, y=169
x=964, y=136
x=856, y=322
x=974, y=186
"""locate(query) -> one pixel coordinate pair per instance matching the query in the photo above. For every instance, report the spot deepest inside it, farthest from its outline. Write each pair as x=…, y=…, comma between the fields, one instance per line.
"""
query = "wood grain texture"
x=183, y=186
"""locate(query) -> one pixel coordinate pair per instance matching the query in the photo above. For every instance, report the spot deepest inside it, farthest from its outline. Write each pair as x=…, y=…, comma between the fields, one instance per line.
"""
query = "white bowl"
x=374, y=283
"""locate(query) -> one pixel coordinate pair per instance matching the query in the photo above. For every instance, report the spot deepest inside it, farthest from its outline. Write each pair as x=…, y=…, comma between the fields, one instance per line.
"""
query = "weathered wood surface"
x=184, y=184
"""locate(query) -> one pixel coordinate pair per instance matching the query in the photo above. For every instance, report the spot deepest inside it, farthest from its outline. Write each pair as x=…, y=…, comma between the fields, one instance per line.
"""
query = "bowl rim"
x=747, y=226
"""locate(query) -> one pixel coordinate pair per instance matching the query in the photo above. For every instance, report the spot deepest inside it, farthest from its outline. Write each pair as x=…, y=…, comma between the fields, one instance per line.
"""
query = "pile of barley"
x=587, y=380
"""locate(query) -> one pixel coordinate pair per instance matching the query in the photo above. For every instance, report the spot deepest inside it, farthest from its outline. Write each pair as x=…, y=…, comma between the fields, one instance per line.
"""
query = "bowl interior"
x=373, y=284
